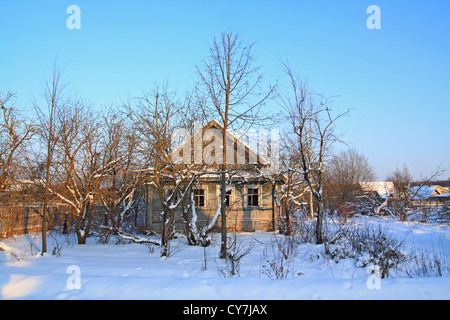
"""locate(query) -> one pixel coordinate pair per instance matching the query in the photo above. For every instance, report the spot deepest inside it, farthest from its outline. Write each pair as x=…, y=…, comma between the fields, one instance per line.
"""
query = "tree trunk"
x=319, y=224
x=168, y=217
x=223, y=213
x=44, y=224
x=273, y=206
x=83, y=223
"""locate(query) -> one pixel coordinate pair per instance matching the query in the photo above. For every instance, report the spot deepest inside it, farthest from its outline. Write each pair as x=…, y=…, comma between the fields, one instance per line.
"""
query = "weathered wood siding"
x=240, y=216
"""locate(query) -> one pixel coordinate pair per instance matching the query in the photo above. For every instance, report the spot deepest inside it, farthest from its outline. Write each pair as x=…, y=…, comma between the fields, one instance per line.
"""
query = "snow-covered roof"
x=425, y=192
x=380, y=187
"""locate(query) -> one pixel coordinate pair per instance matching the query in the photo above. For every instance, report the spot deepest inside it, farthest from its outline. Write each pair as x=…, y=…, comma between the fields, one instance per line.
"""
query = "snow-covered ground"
x=134, y=271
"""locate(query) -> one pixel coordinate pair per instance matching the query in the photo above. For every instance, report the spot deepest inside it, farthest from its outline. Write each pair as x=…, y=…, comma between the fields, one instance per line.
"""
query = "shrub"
x=425, y=264
x=279, y=256
x=235, y=252
x=369, y=246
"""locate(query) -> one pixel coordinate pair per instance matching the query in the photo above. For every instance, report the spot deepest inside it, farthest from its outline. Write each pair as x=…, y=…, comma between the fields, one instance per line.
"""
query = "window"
x=252, y=197
x=199, y=197
x=228, y=198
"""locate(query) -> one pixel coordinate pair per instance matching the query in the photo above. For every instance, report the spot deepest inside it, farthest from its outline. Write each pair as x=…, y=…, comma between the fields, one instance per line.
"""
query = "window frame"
x=197, y=197
x=251, y=204
x=229, y=196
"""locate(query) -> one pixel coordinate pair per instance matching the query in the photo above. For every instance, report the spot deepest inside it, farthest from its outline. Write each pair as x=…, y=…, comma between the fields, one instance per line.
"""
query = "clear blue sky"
x=396, y=80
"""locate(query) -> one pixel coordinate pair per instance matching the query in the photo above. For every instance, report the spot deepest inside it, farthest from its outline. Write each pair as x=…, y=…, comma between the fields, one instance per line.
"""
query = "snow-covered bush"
x=304, y=230
x=235, y=252
x=279, y=256
x=387, y=257
x=368, y=246
x=340, y=249
x=277, y=268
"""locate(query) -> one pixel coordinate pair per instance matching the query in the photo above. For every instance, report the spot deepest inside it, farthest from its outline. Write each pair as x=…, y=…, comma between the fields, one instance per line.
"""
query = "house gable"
x=205, y=147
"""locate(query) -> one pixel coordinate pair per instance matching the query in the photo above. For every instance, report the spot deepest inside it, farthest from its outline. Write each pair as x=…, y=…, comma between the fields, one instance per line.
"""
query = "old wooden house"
x=251, y=197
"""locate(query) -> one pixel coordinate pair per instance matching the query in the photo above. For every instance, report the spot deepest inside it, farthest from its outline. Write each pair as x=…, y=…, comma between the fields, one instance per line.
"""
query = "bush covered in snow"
x=368, y=246
x=279, y=256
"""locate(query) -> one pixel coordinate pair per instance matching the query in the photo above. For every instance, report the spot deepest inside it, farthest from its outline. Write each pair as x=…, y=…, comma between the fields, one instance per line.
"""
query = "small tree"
x=78, y=163
x=54, y=99
x=401, y=179
x=312, y=123
x=122, y=177
x=155, y=116
x=400, y=204
x=293, y=190
x=229, y=86
x=235, y=252
x=344, y=172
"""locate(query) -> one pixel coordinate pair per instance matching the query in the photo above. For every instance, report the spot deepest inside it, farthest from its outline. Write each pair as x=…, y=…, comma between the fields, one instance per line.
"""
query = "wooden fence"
x=27, y=219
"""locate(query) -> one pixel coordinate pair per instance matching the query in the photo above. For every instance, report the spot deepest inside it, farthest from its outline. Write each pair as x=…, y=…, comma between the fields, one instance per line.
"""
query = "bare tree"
x=402, y=180
x=230, y=86
x=155, y=116
x=53, y=100
x=14, y=132
x=312, y=123
x=293, y=191
x=121, y=177
x=401, y=203
x=344, y=172
x=78, y=163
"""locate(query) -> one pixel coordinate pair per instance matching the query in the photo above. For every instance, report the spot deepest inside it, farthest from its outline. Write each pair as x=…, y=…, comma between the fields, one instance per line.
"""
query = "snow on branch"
x=130, y=236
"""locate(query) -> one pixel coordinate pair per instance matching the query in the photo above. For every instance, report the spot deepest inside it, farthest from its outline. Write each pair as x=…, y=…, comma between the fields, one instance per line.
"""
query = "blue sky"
x=395, y=80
